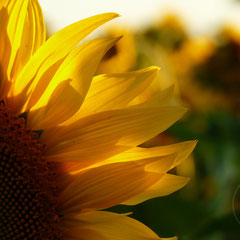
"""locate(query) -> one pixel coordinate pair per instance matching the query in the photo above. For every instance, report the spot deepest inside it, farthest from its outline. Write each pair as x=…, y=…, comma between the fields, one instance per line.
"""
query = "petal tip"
x=115, y=40
x=154, y=69
x=195, y=142
x=112, y=15
x=183, y=110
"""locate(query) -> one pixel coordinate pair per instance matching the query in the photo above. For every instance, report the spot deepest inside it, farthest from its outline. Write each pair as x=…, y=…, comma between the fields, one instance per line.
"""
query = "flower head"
x=69, y=139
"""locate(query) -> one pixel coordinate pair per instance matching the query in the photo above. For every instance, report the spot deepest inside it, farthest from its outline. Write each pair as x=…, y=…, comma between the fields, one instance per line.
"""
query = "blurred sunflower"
x=169, y=32
x=68, y=140
x=194, y=54
x=220, y=71
x=122, y=56
x=206, y=70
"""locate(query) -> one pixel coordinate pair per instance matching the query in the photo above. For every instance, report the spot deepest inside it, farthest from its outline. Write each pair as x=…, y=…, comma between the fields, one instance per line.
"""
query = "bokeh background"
x=197, y=45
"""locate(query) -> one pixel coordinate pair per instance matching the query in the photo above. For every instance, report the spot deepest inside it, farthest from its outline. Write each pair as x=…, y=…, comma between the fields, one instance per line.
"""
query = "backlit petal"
x=38, y=72
x=89, y=139
x=181, y=150
x=113, y=91
x=17, y=11
x=79, y=67
x=33, y=36
x=5, y=52
x=156, y=99
x=165, y=186
x=22, y=33
x=106, y=186
x=63, y=103
x=154, y=164
x=25, y=33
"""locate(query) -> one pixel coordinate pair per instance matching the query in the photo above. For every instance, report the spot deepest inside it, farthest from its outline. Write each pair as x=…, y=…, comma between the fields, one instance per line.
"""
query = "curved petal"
x=5, y=52
x=181, y=150
x=110, y=226
x=155, y=99
x=17, y=11
x=114, y=91
x=22, y=33
x=106, y=186
x=158, y=164
x=165, y=186
x=33, y=36
x=63, y=103
x=25, y=31
x=89, y=139
x=79, y=66
x=38, y=72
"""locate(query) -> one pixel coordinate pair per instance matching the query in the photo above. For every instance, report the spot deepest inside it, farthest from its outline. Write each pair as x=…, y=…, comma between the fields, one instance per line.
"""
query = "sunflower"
x=69, y=139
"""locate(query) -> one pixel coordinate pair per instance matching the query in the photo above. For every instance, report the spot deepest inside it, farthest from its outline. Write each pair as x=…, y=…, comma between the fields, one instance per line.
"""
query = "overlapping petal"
x=96, y=137
x=22, y=33
x=166, y=185
x=180, y=150
x=115, y=91
x=17, y=12
x=156, y=99
x=36, y=75
x=77, y=70
x=32, y=37
x=106, y=186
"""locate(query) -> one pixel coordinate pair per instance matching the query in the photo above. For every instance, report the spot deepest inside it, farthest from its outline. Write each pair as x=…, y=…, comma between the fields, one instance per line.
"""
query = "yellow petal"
x=88, y=155
x=108, y=225
x=39, y=28
x=153, y=164
x=17, y=15
x=13, y=17
x=5, y=52
x=165, y=186
x=90, y=138
x=79, y=66
x=156, y=99
x=23, y=32
x=38, y=72
x=33, y=36
x=3, y=3
x=113, y=91
x=106, y=186
x=180, y=150
x=63, y=103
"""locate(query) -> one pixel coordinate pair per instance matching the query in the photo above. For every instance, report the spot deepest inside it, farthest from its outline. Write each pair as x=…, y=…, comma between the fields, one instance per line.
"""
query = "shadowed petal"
x=110, y=226
x=165, y=186
x=106, y=186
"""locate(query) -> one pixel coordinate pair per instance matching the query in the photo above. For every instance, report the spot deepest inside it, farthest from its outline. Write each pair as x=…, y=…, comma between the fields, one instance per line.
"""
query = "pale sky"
x=199, y=15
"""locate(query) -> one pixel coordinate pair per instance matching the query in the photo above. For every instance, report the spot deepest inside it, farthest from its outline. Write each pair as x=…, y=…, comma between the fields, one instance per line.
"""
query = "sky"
x=200, y=16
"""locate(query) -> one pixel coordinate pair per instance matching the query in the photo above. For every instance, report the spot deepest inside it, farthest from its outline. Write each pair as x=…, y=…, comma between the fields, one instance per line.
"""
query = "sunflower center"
x=27, y=183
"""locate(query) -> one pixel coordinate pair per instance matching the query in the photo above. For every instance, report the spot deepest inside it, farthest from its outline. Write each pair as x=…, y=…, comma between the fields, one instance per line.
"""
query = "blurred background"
x=197, y=45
